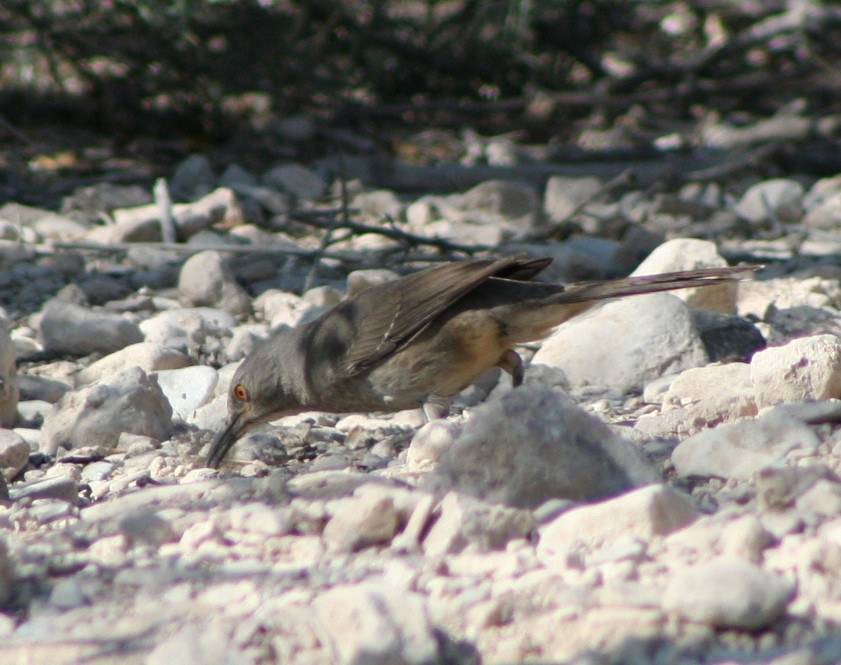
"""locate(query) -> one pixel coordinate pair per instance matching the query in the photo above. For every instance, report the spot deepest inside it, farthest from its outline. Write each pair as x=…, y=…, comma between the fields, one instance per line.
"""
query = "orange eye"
x=240, y=392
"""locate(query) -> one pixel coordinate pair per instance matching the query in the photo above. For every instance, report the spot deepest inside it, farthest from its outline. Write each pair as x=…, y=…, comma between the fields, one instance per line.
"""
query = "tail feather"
x=669, y=281
x=533, y=319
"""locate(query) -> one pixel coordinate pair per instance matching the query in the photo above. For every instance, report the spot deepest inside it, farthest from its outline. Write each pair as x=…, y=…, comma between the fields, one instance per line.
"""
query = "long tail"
x=533, y=319
x=668, y=281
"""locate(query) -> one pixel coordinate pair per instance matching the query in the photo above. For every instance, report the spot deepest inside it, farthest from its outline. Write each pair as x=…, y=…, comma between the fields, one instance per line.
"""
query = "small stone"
x=14, y=453
x=193, y=644
x=744, y=538
x=602, y=252
x=377, y=205
x=146, y=527
x=259, y=518
x=802, y=370
x=727, y=338
x=131, y=401
x=803, y=321
x=361, y=521
x=655, y=510
x=235, y=174
x=41, y=388
x=67, y=593
x=713, y=395
x=14, y=253
x=758, y=299
x=186, y=330
x=33, y=412
x=465, y=521
x=740, y=449
x=207, y=280
x=826, y=215
x=359, y=280
x=564, y=195
x=102, y=289
x=80, y=331
x=194, y=177
x=148, y=356
x=323, y=296
x=296, y=180
x=135, y=444
x=97, y=471
x=281, y=308
x=779, y=199
x=295, y=128
x=57, y=487
x=142, y=224
x=727, y=593
x=430, y=442
x=506, y=203
x=218, y=207
x=187, y=389
x=211, y=416
x=377, y=624
x=244, y=339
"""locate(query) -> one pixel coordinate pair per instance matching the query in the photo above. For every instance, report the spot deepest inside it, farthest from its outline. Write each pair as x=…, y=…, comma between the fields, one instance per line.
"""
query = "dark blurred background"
x=588, y=74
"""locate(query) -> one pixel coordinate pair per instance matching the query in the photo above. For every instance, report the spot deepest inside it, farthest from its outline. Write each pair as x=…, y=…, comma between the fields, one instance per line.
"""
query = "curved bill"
x=223, y=441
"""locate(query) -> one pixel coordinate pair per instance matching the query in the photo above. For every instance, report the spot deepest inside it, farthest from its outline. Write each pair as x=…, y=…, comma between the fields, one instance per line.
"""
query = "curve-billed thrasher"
x=418, y=340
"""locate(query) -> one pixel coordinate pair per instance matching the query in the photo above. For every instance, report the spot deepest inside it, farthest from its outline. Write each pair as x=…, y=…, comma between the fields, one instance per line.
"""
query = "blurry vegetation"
x=118, y=63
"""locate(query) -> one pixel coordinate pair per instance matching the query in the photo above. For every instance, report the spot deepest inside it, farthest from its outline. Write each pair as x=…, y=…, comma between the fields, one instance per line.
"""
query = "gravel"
x=662, y=488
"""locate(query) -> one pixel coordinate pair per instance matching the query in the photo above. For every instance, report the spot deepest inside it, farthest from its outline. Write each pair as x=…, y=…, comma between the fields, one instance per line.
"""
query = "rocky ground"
x=663, y=489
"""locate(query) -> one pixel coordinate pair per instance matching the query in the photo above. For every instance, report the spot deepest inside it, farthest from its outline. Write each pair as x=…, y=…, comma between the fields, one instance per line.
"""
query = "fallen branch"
x=399, y=235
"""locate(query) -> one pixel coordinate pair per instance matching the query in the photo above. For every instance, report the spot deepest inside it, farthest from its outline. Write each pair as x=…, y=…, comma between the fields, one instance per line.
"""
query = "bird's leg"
x=436, y=407
x=511, y=363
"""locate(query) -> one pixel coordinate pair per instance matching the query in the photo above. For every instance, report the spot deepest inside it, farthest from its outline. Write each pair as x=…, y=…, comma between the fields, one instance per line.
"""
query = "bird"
x=419, y=340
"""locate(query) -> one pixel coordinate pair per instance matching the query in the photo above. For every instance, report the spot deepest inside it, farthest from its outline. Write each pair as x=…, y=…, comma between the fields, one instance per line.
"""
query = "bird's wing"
x=387, y=316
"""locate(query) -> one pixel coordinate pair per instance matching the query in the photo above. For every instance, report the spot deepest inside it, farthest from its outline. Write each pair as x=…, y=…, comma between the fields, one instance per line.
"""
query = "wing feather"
x=389, y=315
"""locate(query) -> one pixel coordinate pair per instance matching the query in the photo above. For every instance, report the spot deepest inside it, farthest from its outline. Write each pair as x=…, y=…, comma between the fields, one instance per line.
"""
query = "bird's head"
x=263, y=388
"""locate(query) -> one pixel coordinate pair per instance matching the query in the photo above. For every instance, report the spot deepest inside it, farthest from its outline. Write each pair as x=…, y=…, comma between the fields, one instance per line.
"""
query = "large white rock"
x=624, y=344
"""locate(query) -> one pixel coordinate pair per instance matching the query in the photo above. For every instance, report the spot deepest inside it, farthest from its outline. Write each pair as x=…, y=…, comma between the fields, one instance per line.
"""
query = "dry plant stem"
x=193, y=249
x=750, y=160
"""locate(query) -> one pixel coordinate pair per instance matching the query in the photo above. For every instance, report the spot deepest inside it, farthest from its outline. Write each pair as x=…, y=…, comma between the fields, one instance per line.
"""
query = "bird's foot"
x=511, y=363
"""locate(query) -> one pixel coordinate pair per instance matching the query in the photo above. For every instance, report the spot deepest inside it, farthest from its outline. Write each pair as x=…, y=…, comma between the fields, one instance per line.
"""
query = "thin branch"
x=401, y=236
